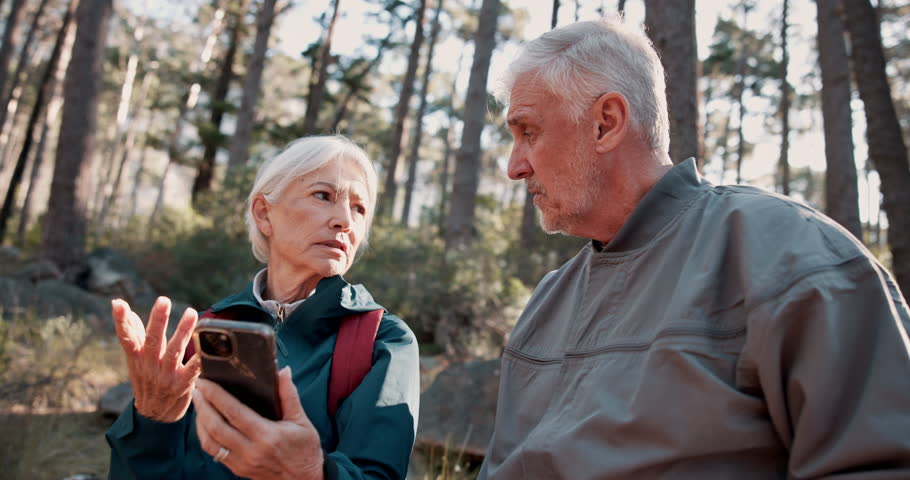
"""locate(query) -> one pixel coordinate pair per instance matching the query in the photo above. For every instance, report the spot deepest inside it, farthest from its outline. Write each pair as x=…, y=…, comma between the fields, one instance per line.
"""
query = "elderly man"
x=706, y=332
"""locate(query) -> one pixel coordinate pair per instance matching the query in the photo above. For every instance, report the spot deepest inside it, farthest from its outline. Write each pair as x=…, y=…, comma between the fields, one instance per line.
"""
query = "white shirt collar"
x=279, y=310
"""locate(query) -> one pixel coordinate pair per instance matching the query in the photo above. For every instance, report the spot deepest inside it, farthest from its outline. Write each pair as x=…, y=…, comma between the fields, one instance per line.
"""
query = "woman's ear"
x=260, y=209
x=611, y=121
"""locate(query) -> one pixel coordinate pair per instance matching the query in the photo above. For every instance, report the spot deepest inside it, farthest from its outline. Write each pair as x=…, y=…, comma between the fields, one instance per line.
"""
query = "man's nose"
x=518, y=164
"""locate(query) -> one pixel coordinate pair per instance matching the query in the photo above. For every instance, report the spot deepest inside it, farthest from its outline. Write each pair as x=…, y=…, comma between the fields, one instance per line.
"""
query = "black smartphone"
x=240, y=356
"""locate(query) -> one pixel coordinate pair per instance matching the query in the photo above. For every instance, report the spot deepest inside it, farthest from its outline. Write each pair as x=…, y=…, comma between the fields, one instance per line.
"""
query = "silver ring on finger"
x=221, y=455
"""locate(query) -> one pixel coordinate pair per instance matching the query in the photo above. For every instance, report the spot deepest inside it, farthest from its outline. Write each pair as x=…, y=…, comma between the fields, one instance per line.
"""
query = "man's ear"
x=611, y=121
x=260, y=209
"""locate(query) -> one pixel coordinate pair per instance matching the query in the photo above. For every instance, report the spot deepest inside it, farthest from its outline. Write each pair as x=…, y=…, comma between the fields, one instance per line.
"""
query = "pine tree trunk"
x=448, y=140
x=387, y=201
x=206, y=169
x=785, y=92
x=10, y=32
x=64, y=232
x=554, y=15
x=316, y=91
x=45, y=89
x=887, y=149
x=418, y=128
x=460, y=231
x=240, y=145
x=22, y=63
x=671, y=27
x=841, y=191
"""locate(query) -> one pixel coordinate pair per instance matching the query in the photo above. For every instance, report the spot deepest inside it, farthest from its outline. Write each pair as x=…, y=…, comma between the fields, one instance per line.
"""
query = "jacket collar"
x=334, y=298
x=669, y=197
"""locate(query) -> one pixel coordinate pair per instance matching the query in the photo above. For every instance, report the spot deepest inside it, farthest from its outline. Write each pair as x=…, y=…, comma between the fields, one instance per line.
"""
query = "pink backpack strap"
x=353, y=355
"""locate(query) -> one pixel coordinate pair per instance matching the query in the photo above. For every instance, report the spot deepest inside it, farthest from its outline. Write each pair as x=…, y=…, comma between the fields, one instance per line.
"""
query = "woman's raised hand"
x=162, y=383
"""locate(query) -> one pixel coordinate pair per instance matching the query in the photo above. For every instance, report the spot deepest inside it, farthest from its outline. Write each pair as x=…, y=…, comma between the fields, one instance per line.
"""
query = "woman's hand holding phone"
x=162, y=383
x=252, y=446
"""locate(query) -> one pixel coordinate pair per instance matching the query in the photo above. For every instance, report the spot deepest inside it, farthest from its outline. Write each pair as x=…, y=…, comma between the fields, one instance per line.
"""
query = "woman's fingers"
x=157, y=326
x=173, y=355
x=291, y=409
x=131, y=338
x=242, y=417
x=213, y=429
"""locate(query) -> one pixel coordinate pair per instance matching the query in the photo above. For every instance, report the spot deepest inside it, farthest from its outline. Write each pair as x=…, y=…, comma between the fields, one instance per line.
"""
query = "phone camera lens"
x=216, y=344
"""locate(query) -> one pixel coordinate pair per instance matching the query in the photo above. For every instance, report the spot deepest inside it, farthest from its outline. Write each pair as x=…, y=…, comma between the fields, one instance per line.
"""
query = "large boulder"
x=51, y=298
x=458, y=410
x=114, y=401
x=110, y=273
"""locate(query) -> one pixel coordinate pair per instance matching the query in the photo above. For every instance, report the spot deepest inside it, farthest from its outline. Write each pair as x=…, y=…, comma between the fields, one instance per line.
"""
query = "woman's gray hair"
x=299, y=158
x=581, y=61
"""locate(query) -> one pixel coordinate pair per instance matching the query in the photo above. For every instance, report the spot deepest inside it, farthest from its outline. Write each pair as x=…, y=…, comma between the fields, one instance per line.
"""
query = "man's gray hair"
x=299, y=158
x=581, y=61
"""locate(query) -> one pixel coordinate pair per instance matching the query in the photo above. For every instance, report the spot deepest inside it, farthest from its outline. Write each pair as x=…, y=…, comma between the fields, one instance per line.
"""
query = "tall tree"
x=554, y=15
x=240, y=146
x=187, y=104
x=211, y=137
x=671, y=26
x=448, y=139
x=45, y=90
x=21, y=64
x=64, y=231
x=887, y=149
x=414, y=156
x=387, y=201
x=356, y=82
x=785, y=92
x=460, y=231
x=10, y=32
x=841, y=192
x=316, y=92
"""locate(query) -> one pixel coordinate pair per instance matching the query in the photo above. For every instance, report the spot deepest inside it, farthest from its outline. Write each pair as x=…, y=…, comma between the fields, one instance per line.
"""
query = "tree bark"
x=671, y=27
x=448, y=140
x=24, y=57
x=387, y=201
x=206, y=169
x=316, y=91
x=64, y=232
x=418, y=128
x=46, y=87
x=460, y=231
x=887, y=149
x=10, y=32
x=240, y=146
x=785, y=92
x=841, y=191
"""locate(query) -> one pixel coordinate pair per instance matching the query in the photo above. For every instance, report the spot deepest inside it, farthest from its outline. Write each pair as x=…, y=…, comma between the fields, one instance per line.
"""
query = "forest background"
x=130, y=131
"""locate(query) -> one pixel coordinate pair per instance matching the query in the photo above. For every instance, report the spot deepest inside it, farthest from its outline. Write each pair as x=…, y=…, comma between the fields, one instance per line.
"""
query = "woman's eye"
x=322, y=195
x=360, y=209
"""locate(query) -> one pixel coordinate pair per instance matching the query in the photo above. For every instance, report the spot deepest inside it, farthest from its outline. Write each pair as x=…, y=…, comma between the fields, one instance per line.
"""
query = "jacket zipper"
x=278, y=321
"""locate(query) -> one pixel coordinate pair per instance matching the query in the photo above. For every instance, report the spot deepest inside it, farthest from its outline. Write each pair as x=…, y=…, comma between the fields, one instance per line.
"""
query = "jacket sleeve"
x=377, y=423
x=145, y=449
x=832, y=358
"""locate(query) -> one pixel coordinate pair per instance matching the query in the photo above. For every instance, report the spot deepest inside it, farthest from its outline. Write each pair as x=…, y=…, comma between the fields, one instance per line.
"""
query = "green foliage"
x=463, y=301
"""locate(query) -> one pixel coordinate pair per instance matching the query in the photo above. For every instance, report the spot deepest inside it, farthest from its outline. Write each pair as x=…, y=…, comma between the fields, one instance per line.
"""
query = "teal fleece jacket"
x=372, y=433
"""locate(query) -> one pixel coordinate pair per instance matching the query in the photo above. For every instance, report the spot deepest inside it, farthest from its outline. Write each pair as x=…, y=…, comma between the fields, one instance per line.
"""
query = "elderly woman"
x=308, y=213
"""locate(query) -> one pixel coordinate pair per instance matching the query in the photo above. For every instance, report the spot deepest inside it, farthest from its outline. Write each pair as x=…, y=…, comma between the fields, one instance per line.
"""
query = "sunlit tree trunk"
x=45, y=90
x=316, y=92
x=212, y=140
x=64, y=231
x=841, y=192
x=887, y=149
x=671, y=27
x=21, y=64
x=785, y=92
x=240, y=145
x=460, y=230
x=418, y=128
x=188, y=103
x=10, y=32
x=387, y=201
